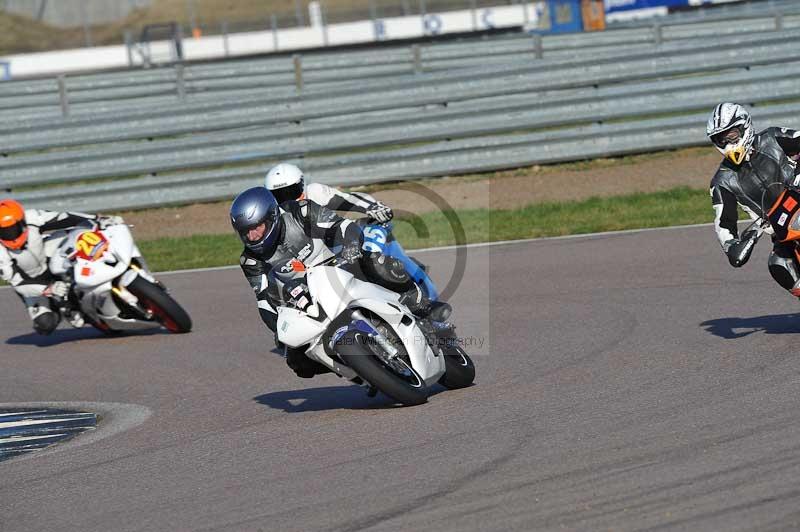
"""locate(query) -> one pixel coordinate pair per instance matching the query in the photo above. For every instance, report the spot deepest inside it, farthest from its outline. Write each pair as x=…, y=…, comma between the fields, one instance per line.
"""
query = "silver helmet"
x=730, y=128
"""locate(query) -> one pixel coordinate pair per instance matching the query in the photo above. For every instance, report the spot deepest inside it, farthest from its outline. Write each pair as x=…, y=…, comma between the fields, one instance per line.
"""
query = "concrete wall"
x=72, y=13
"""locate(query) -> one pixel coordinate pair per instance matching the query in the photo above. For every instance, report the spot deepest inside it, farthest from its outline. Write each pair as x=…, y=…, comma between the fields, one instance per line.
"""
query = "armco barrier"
x=433, y=89
x=479, y=154
x=380, y=132
x=151, y=150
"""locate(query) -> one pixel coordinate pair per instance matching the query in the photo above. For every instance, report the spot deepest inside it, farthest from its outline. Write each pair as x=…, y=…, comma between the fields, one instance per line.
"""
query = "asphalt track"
x=632, y=382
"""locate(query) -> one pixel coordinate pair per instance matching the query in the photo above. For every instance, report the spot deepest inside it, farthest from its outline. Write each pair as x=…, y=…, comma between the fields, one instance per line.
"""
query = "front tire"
x=355, y=351
x=166, y=310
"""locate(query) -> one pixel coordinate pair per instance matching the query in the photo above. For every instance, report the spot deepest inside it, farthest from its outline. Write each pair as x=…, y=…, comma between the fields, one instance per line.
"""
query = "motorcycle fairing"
x=784, y=216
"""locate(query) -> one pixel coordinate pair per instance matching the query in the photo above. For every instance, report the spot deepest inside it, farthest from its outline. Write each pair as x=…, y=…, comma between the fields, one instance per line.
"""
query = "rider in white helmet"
x=287, y=182
x=756, y=169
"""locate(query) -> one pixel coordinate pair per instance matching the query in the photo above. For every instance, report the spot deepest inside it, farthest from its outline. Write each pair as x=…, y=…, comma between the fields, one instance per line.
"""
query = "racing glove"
x=58, y=289
x=739, y=250
x=351, y=253
x=380, y=212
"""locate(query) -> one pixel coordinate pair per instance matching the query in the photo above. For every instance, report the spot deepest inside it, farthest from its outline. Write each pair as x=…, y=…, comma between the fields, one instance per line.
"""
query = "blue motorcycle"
x=378, y=238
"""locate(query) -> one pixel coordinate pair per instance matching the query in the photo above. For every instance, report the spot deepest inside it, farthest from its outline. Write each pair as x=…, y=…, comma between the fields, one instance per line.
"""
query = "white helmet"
x=730, y=128
x=285, y=181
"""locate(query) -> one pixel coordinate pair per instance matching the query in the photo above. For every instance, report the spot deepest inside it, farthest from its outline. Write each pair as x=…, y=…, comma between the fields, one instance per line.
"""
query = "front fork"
x=120, y=290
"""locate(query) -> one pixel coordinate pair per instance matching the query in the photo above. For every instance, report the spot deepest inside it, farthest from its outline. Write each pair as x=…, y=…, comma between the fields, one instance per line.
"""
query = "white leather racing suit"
x=336, y=200
x=27, y=269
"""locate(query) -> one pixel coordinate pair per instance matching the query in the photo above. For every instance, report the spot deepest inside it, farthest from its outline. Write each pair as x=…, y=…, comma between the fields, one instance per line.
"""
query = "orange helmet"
x=13, y=229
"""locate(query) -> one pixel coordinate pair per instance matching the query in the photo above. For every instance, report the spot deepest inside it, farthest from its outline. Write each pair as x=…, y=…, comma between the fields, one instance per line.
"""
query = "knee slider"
x=783, y=270
x=388, y=269
x=46, y=322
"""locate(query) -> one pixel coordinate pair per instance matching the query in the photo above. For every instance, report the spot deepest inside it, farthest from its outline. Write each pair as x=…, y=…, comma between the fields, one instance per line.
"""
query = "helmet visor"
x=256, y=233
x=12, y=232
x=727, y=137
x=292, y=192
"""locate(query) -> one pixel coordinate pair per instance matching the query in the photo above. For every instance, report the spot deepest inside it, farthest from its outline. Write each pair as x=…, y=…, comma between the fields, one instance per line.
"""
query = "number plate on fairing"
x=374, y=238
x=91, y=245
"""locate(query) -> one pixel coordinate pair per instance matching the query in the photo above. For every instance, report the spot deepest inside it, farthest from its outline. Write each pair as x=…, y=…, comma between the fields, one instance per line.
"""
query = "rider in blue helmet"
x=255, y=216
x=276, y=238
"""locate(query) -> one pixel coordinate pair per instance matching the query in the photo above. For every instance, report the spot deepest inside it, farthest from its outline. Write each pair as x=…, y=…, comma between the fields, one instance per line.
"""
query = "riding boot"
x=419, y=305
x=416, y=301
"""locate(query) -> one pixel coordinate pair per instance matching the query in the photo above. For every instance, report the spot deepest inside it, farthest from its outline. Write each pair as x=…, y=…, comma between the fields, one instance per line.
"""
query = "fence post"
x=129, y=46
x=298, y=72
x=778, y=21
x=473, y=8
x=87, y=29
x=416, y=58
x=225, y=45
x=658, y=35
x=273, y=20
x=538, y=49
x=62, y=95
x=180, y=82
x=324, y=23
x=373, y=12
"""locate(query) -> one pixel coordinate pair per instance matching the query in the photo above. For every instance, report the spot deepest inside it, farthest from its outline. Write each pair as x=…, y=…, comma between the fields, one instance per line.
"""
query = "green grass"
x=679, y=206
x=199, y=251
x=674, y=207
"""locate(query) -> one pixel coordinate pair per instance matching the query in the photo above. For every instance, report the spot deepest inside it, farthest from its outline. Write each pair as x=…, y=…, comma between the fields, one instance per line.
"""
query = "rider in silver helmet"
x=276, y=237
x=753, y=174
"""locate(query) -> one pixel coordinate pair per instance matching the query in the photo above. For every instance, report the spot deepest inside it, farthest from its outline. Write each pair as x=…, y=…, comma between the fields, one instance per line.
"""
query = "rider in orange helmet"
x=28, y=239
x=13, y=229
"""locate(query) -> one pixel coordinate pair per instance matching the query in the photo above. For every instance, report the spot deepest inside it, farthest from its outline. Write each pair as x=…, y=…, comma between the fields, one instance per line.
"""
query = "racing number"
x=86, y=243
x=374, y=239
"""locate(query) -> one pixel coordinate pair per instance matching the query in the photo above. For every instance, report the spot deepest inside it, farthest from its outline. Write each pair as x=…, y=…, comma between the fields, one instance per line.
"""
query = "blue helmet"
x=252, y=208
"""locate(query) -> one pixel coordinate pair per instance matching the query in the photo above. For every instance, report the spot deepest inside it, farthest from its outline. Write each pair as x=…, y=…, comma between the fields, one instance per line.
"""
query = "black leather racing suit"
x=755, y=185
x=308, y=232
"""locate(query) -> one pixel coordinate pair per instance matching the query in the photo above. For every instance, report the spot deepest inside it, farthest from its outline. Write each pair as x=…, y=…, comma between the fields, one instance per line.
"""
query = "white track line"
x=22, y=413
x=478, y=245
x=491, y=244
x=25, y=423
x=17, y=439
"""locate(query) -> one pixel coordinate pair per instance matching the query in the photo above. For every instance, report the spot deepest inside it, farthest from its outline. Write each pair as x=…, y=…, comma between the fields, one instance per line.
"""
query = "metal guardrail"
x=415, y=91
x=510, y=113
x=469, y=155
x=500, y=116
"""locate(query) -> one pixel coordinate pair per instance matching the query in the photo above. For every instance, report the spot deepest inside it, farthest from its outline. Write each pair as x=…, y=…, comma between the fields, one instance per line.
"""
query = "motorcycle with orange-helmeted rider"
x=84, y=268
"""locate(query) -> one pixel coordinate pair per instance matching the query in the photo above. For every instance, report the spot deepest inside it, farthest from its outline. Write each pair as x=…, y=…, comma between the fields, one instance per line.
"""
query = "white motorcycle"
x=111, y=285
x=363, y=333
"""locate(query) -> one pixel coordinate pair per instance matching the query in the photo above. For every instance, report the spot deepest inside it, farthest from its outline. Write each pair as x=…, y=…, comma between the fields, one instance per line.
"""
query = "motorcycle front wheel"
x=392, y=376
x=166, y=310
